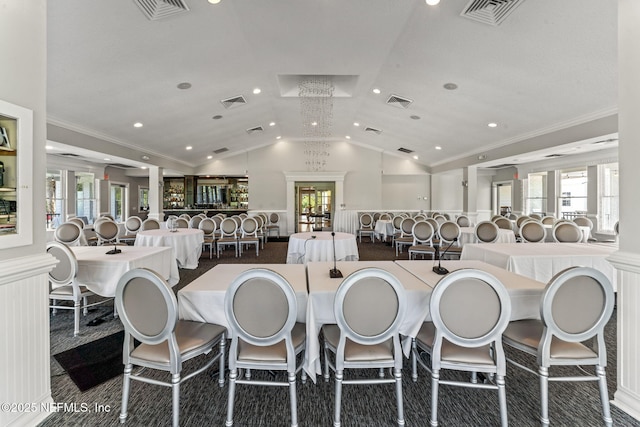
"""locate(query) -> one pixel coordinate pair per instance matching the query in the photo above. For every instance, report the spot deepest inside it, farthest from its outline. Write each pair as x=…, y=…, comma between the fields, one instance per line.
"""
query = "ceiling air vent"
x=158, y=9
x=373, y=130
x=121, y=166
x=504, y=165
x=551, y=156
x=68, y=155
x=220, y=150
x=605, y=141
x=256, y=129
x=398, y=101
x=235, y=101
x=405, y=150
x=491, y=12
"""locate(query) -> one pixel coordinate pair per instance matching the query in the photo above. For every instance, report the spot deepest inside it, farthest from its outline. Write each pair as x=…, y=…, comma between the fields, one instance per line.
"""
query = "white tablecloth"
x=541, y=261
x=467, y=235
x=345, y=221
x=384, y=228
x=322, y=291
x=100, y=272
x=203, y=299
x=186, y=244
x=303, y=247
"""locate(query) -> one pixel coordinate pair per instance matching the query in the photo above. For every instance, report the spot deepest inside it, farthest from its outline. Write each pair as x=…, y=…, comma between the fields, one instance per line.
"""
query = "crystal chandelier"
x=316, y=110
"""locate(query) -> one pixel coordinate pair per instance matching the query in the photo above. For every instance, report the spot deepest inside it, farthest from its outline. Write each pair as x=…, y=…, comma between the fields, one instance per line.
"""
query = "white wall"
x=447, y=191
x=406, y=192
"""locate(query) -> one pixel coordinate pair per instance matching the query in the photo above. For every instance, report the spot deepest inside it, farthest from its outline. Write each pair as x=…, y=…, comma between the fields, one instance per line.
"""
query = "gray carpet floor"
x=204, y=403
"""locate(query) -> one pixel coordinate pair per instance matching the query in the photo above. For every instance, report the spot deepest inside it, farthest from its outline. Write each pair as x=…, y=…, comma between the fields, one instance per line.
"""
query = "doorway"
x=503, y=198
x=314, y=206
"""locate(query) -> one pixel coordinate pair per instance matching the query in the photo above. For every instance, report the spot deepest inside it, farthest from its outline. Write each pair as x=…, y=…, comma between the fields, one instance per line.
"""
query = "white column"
x=470, y=193
x=627, y=259
x=156, y=188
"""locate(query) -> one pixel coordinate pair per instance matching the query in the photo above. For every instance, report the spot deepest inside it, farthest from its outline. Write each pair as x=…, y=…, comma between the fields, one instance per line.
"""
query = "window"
x=118, y=202
x=536, y=193
x=143, y=199
x=85, y=197
x=573, y=193
x=54, y=198
x=608, y=196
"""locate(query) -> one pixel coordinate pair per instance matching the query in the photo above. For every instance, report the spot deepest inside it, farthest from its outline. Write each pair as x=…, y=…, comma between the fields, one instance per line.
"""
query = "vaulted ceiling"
x=442, y=75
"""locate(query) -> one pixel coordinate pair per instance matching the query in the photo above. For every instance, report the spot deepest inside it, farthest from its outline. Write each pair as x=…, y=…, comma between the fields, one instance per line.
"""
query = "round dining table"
x=319, y=246
x=186, y=243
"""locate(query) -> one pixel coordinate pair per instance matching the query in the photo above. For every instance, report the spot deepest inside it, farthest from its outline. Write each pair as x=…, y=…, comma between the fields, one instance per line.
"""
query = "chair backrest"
x=208, y=226
x=535, y=216
x=583, y=221
x=132, y=224
x=462, y=291
x=435, y=226
x=68, y=233
x=228, y=227
x=420, y=217
x=249, y=227
x=567, y=232
x=548, y=220
x=107, y=231
x=406, y=226
x=369, y=306
x=202, y=215
x=512, y=216
x=182, y=222
x=148, y=310
x=274, y=218
x=616, y=227
x=218, y=220
x=261, y=309
x=397, y=221
x=494, y=217
x=449, y=232
x=366, y=220
x=244, y=215
x=522, y=219
x=185, y=216
x=67, y=267
x=440, y=218
x=532, y=232
x=170, y=217
x=260, y=221
x=195, y=221
x=503, y=223
x=108, y=216
x=376, y=216
x=385, y=216
x=575, y=306
x=80, y=223
x=463, y=221
x=150, y=224
x=487, y=231
x=422, y=233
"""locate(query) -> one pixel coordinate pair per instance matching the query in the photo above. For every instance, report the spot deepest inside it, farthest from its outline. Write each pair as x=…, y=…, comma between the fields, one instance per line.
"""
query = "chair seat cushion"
x=354, y=352
x=453, y=353
x=276, y=353
x=422, y=248
x=67, y=291
x=190, y=336
x=528, y=333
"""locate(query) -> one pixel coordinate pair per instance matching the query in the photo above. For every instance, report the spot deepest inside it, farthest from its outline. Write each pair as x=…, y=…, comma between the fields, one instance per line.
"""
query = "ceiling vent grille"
x=605, y=141
x=235, y=101
x=398, y=101
x=551, y=156
x=220, y=150
x=121, y=166
x=158, y=9
x=491, y=12
x=68, y=155
x=373, y=130
x=256, y=129
x=504, y=165
x=405, y=150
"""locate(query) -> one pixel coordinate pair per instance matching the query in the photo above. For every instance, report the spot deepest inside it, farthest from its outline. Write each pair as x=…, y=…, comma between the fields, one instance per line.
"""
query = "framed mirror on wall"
x=16, y=158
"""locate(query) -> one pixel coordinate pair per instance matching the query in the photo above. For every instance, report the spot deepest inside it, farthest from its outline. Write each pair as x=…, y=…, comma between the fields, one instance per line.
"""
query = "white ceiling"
x=550, y=64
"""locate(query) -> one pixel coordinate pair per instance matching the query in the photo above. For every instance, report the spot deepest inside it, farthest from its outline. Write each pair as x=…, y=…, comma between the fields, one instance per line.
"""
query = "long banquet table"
x=100, y=272
x=541, y=261
x=202, y=300
x=185, y=242
x=319, y=246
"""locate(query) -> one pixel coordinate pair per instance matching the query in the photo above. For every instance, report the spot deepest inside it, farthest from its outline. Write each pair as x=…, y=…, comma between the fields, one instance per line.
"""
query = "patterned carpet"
x=204, y=403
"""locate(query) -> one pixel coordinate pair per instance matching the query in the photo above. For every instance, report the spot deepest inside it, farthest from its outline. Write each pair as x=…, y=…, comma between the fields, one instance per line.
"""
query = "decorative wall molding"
x=626, y=261
x=16, y=269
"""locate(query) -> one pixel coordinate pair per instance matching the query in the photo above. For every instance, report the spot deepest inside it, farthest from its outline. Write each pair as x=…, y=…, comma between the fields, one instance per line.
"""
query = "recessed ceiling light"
x=257, y=91
x=415, y=157
x=137, y=125
x=450, y=86
x=184, y=85
x=438, y=147
x=432, y=2
x=314, y=123
x=145, y=158
x=272, y=124
x=209, y=157
x=376, y=91
x=48, y=147
x=217, y=117
x=492, y=125
x=106, y=159
x=348, y=137
x=278, y=137
x=188, y=147
x=143, y=167
x=356, y=124
x=214, y=1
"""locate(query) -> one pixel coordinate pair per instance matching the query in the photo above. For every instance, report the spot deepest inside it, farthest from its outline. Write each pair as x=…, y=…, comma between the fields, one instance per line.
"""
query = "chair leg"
x=502, y=398
x=414, y=360
x=85, y=310
x=397, y=373
x=604, y=395
x=221, y=362
x=544, y=395
x=294, y=402
x=338, y=397
x=126, y=382
x=76, y=318
x=233, y=374
x=326, y=363
x=175, y=397
x=435, y=383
